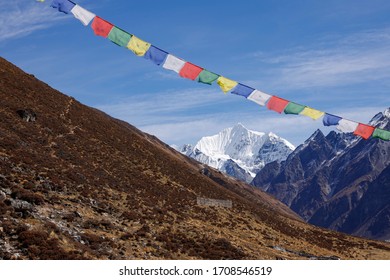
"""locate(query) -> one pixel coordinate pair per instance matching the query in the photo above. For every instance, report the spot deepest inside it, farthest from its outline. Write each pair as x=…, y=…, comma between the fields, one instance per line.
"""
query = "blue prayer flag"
x=156, y=55
x=64, y=6
x=330, y=119
x=243, y=90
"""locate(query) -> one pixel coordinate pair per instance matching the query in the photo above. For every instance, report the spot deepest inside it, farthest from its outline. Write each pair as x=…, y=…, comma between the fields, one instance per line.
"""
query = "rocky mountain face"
x=78, y=184
x=337, y=181
x=238, y=151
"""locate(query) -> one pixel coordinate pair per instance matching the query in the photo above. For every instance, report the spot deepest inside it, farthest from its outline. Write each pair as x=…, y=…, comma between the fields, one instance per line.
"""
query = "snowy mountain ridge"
x=238, y=151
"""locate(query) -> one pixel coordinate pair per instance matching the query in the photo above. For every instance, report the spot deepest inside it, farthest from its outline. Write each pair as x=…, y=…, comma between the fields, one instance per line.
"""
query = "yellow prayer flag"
x=312, y=113
x=138, y=46
x=226, y=84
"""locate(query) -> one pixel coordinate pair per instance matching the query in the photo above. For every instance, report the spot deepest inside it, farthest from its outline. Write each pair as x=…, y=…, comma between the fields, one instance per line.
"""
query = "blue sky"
x=330, y=55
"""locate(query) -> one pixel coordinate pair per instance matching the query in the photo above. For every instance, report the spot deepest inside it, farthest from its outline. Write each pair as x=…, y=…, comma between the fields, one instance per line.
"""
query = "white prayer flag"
x=347, y=125
x=173, y=63
x=82, y=14
x=259, y=97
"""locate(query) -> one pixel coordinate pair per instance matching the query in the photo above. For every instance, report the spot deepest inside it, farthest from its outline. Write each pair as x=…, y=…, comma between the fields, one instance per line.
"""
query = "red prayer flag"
x=363, y=130
x=190, y=71
x=277, y=104
x=101, y=27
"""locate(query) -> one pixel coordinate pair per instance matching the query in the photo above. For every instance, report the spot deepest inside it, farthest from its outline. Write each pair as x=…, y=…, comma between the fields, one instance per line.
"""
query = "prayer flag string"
x=193, y=72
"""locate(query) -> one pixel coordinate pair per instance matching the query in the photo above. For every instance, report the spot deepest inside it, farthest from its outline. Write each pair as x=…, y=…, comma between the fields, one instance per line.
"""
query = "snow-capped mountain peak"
x=240, y=149
x=237, y=142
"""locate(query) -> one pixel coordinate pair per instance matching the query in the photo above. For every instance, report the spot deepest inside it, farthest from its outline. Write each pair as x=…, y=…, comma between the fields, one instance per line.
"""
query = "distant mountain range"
x=238, y=151
x=338, y=181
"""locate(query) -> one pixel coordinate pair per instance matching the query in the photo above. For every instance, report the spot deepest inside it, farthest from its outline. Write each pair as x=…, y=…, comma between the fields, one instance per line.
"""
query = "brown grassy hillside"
x=78, y=184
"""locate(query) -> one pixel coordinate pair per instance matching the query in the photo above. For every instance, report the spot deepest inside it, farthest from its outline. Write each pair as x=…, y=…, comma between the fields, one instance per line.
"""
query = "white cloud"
x=20, y=18
x=296, y=129
x=184, y=131
x=356, y=59
x=184, y=116
x=169, y=103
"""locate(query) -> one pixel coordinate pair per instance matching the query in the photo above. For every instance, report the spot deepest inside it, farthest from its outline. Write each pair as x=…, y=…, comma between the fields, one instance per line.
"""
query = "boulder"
x=27, y=114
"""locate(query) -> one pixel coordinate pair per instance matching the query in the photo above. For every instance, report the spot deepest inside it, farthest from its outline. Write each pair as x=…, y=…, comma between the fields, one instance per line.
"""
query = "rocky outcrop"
x=27, y=114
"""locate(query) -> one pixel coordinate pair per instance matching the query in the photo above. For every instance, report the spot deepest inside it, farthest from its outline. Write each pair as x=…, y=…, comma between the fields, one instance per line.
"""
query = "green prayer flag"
x=382, y=134
x=207, y=77
x=119, y=37
x=293, y=108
